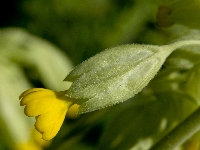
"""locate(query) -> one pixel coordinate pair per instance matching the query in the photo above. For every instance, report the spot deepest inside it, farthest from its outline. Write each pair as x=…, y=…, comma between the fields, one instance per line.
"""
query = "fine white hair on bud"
x=116, y=74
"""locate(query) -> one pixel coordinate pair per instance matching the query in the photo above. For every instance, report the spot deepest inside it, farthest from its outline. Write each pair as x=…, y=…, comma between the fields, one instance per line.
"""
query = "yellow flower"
x=48, y=107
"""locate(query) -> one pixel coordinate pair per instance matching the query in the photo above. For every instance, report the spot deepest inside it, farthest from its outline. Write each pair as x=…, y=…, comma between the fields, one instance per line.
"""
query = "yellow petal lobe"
x=38, y=106
x=30, y=91
x=73, y=111
x=49, y=123
x=29, y=96
x=48, y=107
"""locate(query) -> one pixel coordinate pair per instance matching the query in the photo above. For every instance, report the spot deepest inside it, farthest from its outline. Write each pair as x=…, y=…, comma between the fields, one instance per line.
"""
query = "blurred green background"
x=41, y=41
x=83, y=28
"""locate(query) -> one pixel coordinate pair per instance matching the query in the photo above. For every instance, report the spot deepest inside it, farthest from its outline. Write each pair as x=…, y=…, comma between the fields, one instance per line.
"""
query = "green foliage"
x=158, y=116
x=192, y=82
x=24, y=63
x=160, y=77
x=85, y=28
x=184, y=12
x=20, y=47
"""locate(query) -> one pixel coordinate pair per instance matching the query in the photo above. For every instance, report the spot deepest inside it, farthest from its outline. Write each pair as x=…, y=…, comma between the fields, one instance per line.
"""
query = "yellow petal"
x=73, y=111
x=29, y=96
x=49, y=107
x=39, y=106
x=50, y=122
x=30, y=91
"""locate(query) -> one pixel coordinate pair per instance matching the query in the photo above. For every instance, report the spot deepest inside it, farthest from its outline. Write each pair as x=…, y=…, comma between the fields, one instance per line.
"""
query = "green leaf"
x=117, y=74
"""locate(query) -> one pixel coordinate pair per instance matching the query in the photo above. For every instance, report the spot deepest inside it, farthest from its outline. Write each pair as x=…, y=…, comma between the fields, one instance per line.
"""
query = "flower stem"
x=183, y=43
x=181, y=133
